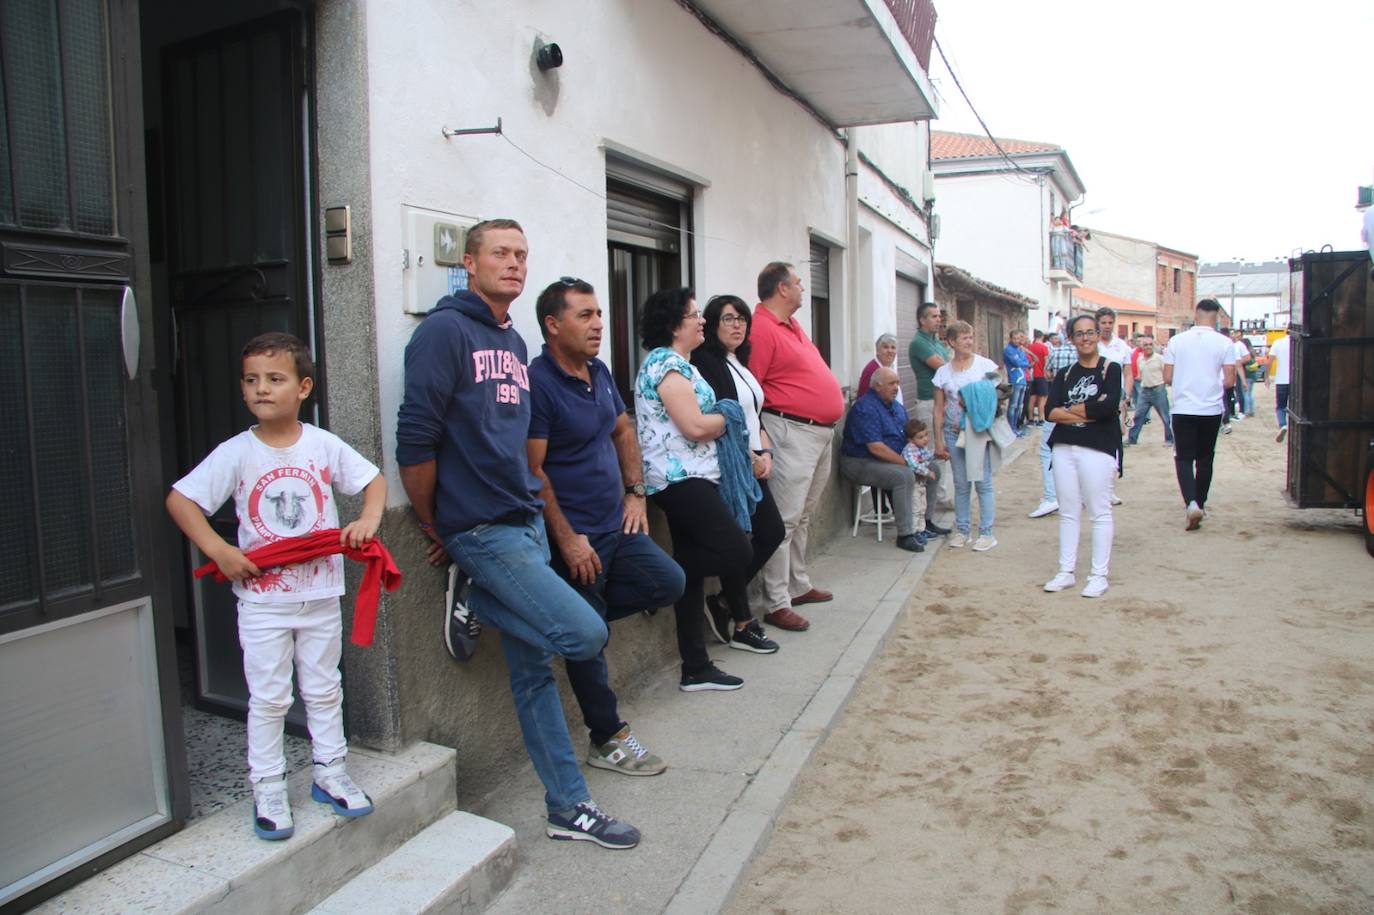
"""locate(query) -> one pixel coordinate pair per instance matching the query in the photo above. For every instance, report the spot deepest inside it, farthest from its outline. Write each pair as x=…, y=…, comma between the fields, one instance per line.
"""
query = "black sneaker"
x=751, y=638
x=588, y=822
x=718, y=619
x=937, y=530
x=709, y=677
x=911, y=543
x=461, y=627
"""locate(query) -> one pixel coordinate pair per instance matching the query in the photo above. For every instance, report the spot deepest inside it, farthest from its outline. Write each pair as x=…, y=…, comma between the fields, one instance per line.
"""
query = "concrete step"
x=218, y=865
x=458, y=864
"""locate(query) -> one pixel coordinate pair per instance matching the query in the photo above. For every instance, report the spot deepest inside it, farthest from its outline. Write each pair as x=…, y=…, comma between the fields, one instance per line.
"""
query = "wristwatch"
x=636, y=489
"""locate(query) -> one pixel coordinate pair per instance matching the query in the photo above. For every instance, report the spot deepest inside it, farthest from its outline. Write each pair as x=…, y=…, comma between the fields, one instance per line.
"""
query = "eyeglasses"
x=733, y=319
x=691, y=316
x=570, y=280
x=1083, y=334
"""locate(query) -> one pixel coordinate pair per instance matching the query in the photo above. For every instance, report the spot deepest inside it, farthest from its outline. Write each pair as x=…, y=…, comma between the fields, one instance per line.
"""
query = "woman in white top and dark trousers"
x=723, y=361
x=1086, y=447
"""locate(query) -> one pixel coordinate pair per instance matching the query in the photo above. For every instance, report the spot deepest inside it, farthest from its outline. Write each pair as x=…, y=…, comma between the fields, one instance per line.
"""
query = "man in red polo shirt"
x=801, y=404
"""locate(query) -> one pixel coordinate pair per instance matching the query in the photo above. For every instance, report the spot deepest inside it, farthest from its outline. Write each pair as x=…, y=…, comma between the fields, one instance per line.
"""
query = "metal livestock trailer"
x=1331, y=398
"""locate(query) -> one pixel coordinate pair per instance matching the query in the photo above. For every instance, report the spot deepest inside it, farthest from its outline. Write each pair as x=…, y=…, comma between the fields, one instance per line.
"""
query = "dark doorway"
x=232, y=142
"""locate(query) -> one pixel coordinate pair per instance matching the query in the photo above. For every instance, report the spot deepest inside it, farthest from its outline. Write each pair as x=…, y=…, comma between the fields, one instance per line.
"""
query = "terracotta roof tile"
x=946, y=145
x=1086, y=295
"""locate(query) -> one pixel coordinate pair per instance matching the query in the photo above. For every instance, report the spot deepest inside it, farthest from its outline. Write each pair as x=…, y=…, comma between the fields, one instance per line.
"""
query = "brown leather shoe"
x=787, y=618
x=814, y=596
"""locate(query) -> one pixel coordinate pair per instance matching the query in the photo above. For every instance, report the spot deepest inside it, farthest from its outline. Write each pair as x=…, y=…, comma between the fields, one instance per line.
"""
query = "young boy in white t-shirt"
x=281, y=474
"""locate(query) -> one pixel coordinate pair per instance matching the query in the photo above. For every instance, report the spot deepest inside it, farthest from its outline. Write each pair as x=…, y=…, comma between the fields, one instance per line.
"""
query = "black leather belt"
x=806, y=421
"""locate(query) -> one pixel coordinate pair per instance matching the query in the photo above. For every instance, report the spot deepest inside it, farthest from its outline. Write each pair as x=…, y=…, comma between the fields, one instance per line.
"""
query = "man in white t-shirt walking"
x=1280, y=356
x=1114, y=349
x=1198, y=365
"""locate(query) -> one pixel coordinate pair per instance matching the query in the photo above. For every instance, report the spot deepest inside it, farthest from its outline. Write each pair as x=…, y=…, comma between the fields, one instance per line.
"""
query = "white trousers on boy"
x=1083, y=482
x=272, y=636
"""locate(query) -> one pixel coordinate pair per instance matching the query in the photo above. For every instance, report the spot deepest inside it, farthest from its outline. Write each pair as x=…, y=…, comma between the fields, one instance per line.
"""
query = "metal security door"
x=90, y=731
x=234, y=103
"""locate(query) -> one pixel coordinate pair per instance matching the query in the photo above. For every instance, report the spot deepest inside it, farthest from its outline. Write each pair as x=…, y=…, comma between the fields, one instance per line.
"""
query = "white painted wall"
x=1122, y=266
x=643, y=74
x=997, y=228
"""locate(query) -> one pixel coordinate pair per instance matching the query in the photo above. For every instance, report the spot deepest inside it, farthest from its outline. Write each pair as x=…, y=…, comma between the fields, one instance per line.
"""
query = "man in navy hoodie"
x=460, y=444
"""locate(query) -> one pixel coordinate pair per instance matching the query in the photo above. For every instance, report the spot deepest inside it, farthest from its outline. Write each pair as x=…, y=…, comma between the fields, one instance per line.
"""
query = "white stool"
x=877, y=515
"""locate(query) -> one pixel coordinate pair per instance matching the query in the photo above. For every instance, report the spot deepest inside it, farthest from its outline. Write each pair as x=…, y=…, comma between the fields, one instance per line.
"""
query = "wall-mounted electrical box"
x=928, y=187
x=432, y=256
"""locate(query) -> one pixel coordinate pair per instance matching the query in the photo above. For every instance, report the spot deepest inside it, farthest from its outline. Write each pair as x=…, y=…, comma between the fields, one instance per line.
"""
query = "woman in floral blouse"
x=677, y=438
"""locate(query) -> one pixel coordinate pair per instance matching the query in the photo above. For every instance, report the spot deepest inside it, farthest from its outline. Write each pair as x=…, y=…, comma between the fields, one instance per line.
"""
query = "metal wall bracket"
x=469, y=131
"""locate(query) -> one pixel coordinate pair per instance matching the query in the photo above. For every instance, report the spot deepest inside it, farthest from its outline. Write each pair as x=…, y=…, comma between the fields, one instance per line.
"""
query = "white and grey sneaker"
x=271, y=809
x=1194, y=516
x=1061, y=582
x=624, y=753
x=334, y=787
x=1046, y=507
x=956, y=540
x=461, y=626
x=588, y=822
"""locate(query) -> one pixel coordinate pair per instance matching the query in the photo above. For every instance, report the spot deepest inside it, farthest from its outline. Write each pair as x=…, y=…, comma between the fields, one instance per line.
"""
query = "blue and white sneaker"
x=271, y=809
x=334, y=787
x=587, y=821
x=461, y=626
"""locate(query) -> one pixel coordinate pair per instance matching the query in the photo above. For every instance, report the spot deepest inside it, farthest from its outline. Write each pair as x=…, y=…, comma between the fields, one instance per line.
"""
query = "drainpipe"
x=851, y=274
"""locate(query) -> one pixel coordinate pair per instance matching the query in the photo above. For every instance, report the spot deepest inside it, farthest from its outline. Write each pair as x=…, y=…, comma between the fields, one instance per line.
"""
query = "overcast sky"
x=1221, y=128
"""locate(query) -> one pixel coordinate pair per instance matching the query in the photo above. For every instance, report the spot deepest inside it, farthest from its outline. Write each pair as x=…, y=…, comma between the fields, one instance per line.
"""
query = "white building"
x=996, y=211
x=183, y=176
x=1259, y=294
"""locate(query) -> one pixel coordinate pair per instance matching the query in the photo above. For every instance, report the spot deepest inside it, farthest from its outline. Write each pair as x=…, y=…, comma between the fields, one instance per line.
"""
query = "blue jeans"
x=1046, y=459
x=635, y=575
x=1015, y=406
x=1158, y=398
x=539, y=615
x=1245, y=388
x=987, y=506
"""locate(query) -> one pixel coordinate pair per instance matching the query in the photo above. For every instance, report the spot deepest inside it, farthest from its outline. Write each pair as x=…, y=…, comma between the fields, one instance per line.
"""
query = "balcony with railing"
x=1066, y=257
x=869, y=68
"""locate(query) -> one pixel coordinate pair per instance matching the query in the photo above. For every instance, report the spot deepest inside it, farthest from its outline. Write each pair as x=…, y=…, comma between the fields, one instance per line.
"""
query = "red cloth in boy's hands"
x=380, y=571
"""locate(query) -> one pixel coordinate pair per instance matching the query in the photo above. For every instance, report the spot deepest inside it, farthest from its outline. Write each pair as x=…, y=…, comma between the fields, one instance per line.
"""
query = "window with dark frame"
x=648, y=242
x=820, y=298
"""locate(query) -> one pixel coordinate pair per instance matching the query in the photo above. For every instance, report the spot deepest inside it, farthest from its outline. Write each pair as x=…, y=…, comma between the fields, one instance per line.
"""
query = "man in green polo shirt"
x=927, y=353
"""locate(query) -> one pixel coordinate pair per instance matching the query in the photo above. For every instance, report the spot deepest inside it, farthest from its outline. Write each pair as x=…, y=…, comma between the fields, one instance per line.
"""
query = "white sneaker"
x=1044, y=508
x=1238, y=417
x=1194, y=514
x=1283, y=433
x=955, y=540
x=334, y=787
x=1116, y=500
x=1096, y=586
x=984, y=543
x=1061, y=582
x=271, y=809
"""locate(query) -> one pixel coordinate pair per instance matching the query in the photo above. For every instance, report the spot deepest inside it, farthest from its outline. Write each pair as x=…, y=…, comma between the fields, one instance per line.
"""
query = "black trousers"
x=1195, y=444
x=707, y=542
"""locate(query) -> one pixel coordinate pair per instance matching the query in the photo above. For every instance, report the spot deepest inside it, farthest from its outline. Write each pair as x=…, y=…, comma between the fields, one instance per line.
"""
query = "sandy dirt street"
x=1199, y=740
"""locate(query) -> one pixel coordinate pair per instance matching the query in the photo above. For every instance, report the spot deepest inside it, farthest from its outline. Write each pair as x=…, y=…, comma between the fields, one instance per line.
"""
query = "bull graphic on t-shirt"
x=289, y=508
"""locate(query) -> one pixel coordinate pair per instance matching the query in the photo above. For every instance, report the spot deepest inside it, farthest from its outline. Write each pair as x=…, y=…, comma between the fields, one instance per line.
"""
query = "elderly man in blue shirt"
x=871, y=451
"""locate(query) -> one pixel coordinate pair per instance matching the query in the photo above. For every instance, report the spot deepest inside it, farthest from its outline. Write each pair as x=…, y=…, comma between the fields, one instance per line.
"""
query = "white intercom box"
x=432, y=256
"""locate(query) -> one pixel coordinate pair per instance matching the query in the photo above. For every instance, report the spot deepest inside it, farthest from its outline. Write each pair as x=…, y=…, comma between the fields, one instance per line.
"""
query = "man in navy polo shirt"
x=584, y=451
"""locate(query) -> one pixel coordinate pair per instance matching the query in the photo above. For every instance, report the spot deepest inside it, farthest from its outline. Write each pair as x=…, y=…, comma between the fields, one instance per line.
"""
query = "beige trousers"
x=801, y=468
